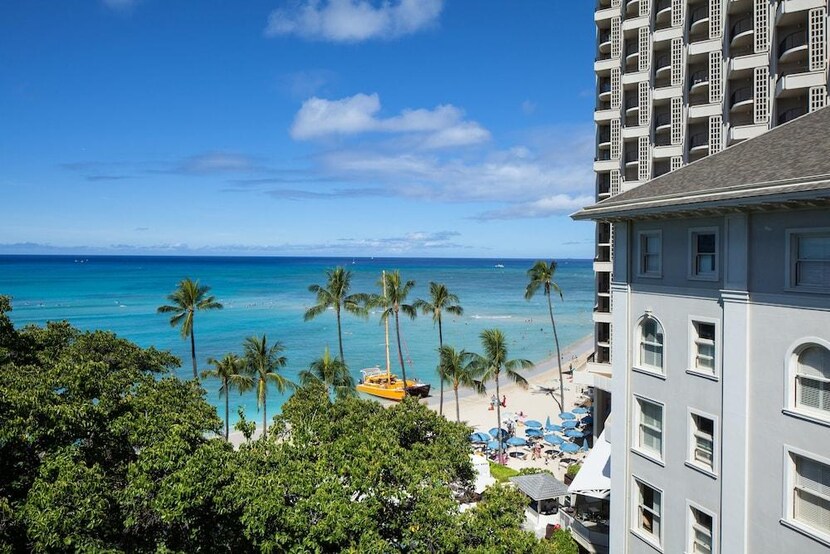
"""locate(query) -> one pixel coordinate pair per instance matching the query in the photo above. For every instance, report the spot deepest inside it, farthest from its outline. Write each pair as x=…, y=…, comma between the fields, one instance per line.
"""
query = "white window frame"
x=638, y=447
x=640, y=266
x=694, y=321
x=692, y=265
x=638, y=341
x=791, y=246
x=791, y=406
x=691, y=521
x=636, y=529
x=691, y=443
x=788, y=515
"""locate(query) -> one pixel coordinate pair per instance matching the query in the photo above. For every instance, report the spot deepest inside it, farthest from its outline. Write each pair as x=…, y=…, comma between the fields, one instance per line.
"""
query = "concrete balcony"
x=792, y=84
x=663, y=35
x=635, y=132
x=704, y=46
x=601, y=317
x=606, y=14
x=748, y=62
x=630, y=78
x=667, y=151
x=606, y=65
x=702, y=111
x=741, y=100
x=743, y=132
x=606, y=114
x=591, y=536
x=664, y=93
x=742, y=32
x=603, y=267
x=606, y=165
x=793, y=48
x=793, y=6
x=634, y=23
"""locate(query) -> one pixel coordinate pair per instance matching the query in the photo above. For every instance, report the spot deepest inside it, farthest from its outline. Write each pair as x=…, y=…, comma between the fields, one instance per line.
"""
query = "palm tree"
x=541, y=276
x=461, y=368
x=264, y=362
x=392, y=302
x=335, y=294
x=188, y=297
x=231, y=372
x=494, y=361
x=332, y=372
x=440, y=300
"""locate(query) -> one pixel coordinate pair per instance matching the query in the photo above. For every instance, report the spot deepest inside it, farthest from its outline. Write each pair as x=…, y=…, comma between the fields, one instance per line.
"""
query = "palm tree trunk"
x=193, y=351
x=400, y=350
x=498, y=420
x=440, y=376
x=227, y=412
x=264, y=414
x=558, y=356
x=340, y=336
x=457, y=409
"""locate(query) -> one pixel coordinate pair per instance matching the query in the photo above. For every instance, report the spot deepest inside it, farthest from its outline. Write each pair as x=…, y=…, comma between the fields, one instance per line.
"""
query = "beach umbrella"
x=533, y=432
x=579, y=410
x=516, y=441
x=533, y=424
x=548, y=426
x=574, y=433
x=554, y=439
x=493, y=445
x=585, y=446
x=566, y=415
x=569, y=447
x=587, y=419
x=570, y=424
x=495, y=432
x=479, y=437
x=557, y=428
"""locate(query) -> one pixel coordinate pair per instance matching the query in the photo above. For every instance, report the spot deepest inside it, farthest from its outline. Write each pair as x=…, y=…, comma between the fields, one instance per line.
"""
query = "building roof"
x=788, y=163
x=594, y=477
x=540, y=486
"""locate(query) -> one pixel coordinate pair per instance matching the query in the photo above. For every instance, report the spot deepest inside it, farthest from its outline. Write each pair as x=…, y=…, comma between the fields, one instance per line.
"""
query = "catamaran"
x=385, y=384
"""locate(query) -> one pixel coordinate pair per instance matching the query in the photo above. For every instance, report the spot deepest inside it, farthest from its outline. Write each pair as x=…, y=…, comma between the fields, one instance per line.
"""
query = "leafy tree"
x=440, y=300
x=335, y=294
x=393, y=302
x=247, y=428
x=541, y=276
x=188, y=297
x=332, y=372
x=494, y=361
x=265, y=362
x=231, y=373
x=461, y=368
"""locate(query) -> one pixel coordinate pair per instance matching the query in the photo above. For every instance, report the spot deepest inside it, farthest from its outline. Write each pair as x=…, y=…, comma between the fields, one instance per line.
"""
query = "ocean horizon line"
x=288, y=257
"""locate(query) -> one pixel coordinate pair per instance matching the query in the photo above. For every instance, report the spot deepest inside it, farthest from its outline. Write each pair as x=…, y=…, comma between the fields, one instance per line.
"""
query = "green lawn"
x=502, y=473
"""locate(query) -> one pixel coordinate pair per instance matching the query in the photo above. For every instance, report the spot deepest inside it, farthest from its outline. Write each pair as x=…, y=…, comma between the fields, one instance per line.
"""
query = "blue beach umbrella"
x=569, y=447
x=516, y=441
x=557, y=428
x=533, y=424
x=493, y=445
x=585, y=446
x=566, y=415
x=495, y=431
x=479, y=437
x=533, y=432
x=579, y=410
x=548, y=424
x=570, y=424
x=574, y=433
x=554, y=439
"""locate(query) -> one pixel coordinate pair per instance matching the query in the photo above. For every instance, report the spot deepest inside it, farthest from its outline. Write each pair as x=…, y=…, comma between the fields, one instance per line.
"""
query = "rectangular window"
x=700, y=532
x=649, y=507
x=650, y=427
x=650, y=254
x=811, y=494
x=812, y=381
x=702, y=444
x=703, y=347
x=704, y=252
x=810, y=264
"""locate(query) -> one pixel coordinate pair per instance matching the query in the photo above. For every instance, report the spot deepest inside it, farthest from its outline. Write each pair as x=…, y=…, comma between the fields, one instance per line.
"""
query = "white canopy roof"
x=594, y=478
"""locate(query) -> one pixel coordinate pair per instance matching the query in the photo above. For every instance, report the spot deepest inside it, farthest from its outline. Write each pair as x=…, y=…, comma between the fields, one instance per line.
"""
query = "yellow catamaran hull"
x=390, y=387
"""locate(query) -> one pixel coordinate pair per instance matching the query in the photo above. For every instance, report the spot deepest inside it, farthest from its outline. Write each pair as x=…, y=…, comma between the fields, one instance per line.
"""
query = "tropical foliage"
x=230, y=371
x=189, y=297
x=541, y=276
x=335, y=295
x=440, y=300
x=332, y=373
x=460, y=368
x=392, y=301
x=264, y=362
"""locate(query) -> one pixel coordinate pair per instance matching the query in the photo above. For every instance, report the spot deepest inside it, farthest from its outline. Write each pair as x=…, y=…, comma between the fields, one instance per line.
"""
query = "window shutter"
x=715, y=134
x=761, y=14
x=676, y=162
x=616, y=142
x=676, y=61
x=715, y=19
x=818, y=98
x=818, y=39
x=677, y=12
x=677, y=120
x=715, y=76
x=616, y=41
x=645, y=51
x=616, y=93
x=643, y=94
x=644, y=166
x=761, y=94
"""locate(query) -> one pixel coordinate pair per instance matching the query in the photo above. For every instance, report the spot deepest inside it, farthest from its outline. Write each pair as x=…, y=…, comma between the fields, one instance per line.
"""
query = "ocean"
x=268, y=295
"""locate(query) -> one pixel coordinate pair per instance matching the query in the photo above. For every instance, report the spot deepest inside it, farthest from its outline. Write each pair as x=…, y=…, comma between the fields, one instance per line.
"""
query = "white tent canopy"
x=594, y=478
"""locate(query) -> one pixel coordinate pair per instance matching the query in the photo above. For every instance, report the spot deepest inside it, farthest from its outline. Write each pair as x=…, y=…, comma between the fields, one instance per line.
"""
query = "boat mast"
x=386, y=321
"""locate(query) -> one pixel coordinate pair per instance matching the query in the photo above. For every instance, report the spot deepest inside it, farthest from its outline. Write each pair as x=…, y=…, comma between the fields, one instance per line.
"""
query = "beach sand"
x=533, y=403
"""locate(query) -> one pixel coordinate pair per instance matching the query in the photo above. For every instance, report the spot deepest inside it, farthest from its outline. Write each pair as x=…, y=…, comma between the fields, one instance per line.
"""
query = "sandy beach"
x=531, y=401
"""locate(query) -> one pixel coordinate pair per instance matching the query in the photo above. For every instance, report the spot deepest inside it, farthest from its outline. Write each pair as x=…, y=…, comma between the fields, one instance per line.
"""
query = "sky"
x=458, y=128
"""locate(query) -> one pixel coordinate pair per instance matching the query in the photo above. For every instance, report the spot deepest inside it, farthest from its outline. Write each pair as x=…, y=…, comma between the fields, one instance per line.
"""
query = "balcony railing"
x=741, y=26
x=604, y=86
x=699, y=76
x=603, y=155
x=793, y=40
x=791, y=114
x=594, y=533
x=663, y=60
x=662, y=5
x=661, y=119
x=701, y=12
x=631, y=155
x=740, y=95
x=604, y=36
x=632, y=102
x=604, y=136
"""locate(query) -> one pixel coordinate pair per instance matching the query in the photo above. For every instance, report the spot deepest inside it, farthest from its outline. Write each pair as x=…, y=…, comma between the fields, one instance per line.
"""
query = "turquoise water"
x=270, y=295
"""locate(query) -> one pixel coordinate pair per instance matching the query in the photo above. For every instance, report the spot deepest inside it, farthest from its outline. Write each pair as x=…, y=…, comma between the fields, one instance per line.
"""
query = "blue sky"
x=302, y=127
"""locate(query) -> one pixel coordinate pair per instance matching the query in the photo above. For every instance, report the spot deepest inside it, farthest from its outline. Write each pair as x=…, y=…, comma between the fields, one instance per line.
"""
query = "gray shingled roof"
x=792, y=159
x=540, y=486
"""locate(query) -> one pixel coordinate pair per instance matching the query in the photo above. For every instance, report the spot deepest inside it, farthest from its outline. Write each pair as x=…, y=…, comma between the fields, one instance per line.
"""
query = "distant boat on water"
x=499, y=266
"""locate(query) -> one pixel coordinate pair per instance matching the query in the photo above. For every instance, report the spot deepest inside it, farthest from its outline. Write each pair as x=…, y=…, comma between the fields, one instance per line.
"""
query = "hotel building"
x=720, y=440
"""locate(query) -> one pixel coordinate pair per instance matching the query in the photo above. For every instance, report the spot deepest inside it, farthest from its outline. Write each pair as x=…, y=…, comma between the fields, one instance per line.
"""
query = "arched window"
x=651, y=343
x=812, y=379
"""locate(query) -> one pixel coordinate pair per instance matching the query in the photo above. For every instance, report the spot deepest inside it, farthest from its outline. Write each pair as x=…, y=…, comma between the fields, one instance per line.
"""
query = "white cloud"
x=441, y=127
x=216, y=162
x=353, y=20
x=543, y=207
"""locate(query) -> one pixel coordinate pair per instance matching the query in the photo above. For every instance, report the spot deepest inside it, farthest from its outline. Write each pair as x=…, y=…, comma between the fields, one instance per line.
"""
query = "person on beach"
x=504, y=401
x=493, y=401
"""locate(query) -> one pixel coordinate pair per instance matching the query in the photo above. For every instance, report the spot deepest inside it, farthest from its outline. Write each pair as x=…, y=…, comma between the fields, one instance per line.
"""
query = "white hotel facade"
x=678, y=80
x=720, y=438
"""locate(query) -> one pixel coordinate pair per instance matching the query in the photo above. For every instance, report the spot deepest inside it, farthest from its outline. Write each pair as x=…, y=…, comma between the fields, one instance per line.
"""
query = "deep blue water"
x=269, y=295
